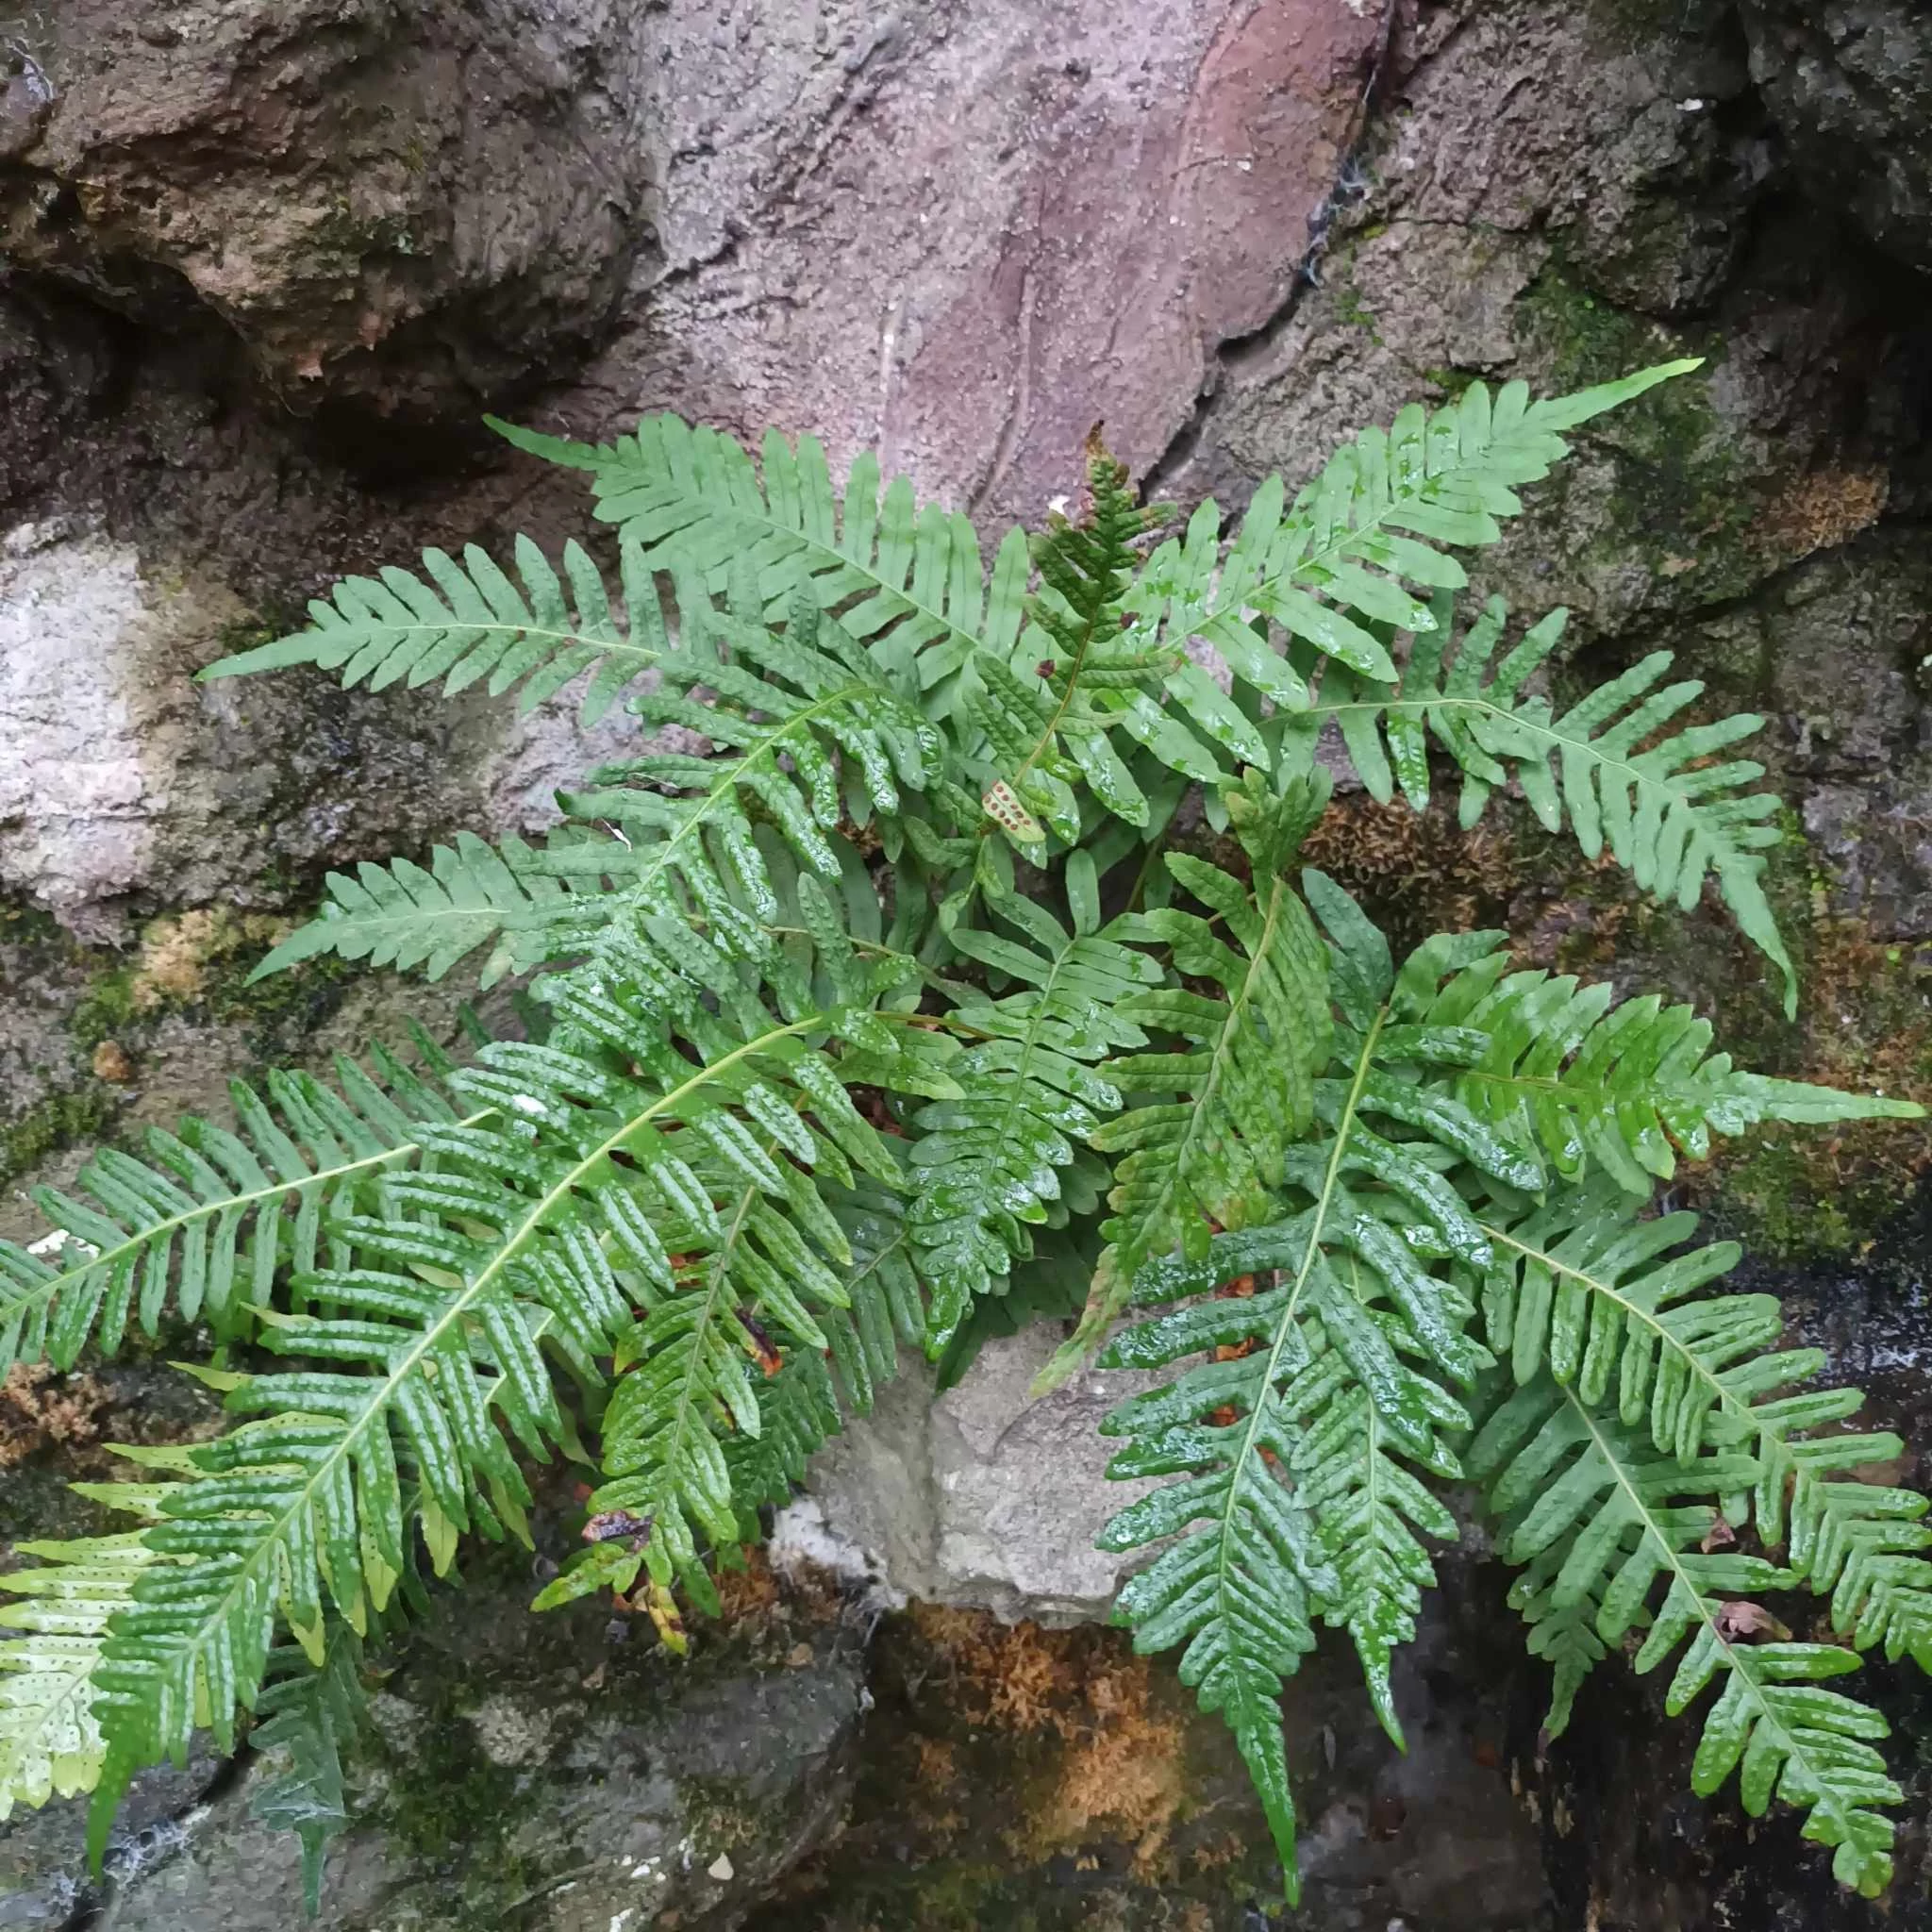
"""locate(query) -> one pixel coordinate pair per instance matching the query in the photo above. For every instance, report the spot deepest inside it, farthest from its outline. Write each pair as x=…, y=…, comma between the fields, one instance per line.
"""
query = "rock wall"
x=261, y=267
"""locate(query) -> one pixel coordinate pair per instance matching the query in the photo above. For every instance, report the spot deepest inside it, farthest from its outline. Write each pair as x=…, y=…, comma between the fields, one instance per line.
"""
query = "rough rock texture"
x=426, y=206
x=564, y=1771
x=962, y=236
x=263, y=264
x=122, y=778
x=950, y=1499
x=1850, y=82
x=412, y=205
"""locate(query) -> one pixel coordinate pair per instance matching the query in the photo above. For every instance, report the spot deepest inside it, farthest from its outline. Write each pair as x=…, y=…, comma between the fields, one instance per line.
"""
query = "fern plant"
x=882, y=1002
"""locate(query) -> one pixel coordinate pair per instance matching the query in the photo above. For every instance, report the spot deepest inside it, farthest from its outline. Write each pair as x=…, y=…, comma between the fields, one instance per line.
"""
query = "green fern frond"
x=811, y=737
x=541, y=1229
x=725, y=1386
x=308, y=1713
x=811, y=729
x=1333, y=573
x=1358, y=1295
x=688, y=1371
x=472, y=893
x=1585, y=1291
x=988, y=1165
x=1244, y=1570
x=211, y=1216
x=266, y=1526
x=908, y=582
x=1050, y=1285
x=1241, y=1089
x=57, y=1627
x=1564, y=1068
x=1369, y=1508
x=1562, y=1631
x=888, y=1303
x=799, y=1412
x=471, y=621
x=1233, y=1149
x=1614, y=766
x=807, y=1400
x=1049, y=708
x=1565, y=1475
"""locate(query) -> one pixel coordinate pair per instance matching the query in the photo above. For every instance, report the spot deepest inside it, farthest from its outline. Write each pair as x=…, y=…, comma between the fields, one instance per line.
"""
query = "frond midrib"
x=1285, y=1327
x=1015, y=1084
x=1063, y=705
x=1223, y=1047
x=604, y=647
x=47, y=1291
x=1397, y=500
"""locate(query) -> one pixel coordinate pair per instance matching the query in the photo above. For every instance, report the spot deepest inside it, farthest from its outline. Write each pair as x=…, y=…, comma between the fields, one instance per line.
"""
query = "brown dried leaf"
x=1737, y=1618
x=1720, y=1536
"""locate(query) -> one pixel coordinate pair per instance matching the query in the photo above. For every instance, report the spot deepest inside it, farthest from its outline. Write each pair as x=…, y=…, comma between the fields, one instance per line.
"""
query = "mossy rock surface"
x=539, y=1775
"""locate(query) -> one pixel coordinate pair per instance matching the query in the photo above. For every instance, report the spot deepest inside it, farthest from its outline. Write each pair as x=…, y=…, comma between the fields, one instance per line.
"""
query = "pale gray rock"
x=984, y=1497
x=122, y=781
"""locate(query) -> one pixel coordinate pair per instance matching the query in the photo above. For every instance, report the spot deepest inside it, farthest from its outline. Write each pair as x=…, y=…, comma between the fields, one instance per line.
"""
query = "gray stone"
x=982, y=1497
x=122, y=780
x=535, y=1768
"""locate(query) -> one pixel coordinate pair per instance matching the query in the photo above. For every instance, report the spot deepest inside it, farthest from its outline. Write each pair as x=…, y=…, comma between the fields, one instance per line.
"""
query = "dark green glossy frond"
x=309, y=1713
x=888, y=1299
x=1567, y=1477
x=1359, y=1291
x=1368, y=1506
x=1238, y=1087
x=726, y=1384
x=989, y=1165
x=1616, y=766
x=1051, y=1286
x=471, y=621
x=1243, y=1570
x=1567, y=1072
x=211, y=1216
x=612, y=1174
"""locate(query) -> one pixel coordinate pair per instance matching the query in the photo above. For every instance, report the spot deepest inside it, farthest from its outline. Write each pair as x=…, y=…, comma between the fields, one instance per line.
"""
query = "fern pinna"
x=943, y=959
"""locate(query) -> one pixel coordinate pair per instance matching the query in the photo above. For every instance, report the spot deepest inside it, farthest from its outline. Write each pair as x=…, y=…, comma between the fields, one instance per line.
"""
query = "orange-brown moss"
x=178, y=951
x=1419, y=872
x=1823, y=510
x=41, y=1409
x=1117, y=1768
